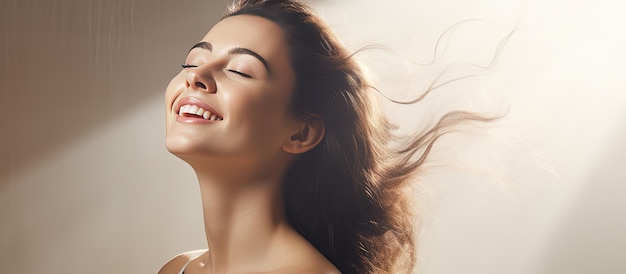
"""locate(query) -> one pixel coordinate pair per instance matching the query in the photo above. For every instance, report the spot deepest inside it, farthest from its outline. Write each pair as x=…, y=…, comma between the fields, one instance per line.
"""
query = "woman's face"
x=230, y=101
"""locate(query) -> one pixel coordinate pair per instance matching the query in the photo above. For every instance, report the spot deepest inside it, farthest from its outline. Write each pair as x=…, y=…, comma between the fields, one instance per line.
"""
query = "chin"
x=190, y=149
x=181, y=146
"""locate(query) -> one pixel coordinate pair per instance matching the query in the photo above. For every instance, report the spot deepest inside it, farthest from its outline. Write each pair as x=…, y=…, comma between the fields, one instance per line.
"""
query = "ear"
x=306, y=137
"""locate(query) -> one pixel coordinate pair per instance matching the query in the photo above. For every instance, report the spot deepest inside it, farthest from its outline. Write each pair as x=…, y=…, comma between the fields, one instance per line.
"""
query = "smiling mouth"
x=197, y=112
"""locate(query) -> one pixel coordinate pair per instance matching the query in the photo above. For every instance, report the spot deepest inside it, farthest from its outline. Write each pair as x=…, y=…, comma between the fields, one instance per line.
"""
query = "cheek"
x=271, y=119
x=262, y=116
x=172, y=90
x=267, y=108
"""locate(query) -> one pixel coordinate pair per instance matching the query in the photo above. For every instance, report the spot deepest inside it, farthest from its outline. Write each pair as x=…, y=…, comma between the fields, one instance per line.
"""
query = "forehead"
x=252, y=32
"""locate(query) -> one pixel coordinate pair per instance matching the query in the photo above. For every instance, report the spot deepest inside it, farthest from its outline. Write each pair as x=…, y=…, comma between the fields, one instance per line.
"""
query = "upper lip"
x=195, y=101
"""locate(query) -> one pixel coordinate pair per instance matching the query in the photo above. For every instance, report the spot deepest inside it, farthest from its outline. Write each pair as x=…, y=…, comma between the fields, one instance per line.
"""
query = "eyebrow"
x=236, y=50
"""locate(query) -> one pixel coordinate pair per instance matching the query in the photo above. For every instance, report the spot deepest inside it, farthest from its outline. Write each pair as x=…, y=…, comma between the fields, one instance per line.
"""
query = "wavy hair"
x=348, y=196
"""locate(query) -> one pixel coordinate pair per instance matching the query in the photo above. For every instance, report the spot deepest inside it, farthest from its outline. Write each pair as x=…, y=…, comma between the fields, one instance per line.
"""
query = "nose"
x=200, y=79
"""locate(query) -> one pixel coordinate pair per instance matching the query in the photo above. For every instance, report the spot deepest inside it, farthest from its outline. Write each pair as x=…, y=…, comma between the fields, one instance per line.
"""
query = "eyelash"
x=230, y=70
x=240, y=73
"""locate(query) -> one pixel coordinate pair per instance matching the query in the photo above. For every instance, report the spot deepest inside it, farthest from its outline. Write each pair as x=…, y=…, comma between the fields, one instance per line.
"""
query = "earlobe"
x=307, y=136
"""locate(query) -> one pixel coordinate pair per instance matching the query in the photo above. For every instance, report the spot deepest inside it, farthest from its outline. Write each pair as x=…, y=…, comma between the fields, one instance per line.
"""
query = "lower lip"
x=193, y=120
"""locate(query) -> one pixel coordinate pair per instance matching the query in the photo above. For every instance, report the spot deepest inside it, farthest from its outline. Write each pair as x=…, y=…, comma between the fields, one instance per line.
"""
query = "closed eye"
x=239, y=73
x=229, y=70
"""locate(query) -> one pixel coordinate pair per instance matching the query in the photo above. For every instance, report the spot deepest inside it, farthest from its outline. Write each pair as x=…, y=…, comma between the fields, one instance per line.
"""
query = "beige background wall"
x=86, y=185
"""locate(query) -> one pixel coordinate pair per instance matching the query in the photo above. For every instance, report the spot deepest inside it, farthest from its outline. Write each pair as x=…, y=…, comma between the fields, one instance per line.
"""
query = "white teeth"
x=193, y=109
x=183, y=110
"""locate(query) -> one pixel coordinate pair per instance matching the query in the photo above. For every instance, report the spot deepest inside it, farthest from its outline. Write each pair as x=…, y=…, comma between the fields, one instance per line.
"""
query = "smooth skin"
x=241, y=158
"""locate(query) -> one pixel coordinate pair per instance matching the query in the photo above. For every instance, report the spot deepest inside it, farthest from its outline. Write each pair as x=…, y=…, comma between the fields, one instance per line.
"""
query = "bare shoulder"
x=311, y=262
x=176, y=264
x=318, y=265
x=310, y=269
x=300, y=256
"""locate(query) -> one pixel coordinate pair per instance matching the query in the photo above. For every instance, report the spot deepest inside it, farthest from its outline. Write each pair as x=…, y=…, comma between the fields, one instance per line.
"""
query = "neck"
x=242, y=219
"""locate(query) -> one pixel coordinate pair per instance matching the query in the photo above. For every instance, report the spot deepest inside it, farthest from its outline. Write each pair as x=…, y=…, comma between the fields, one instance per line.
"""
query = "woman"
x=295, y=161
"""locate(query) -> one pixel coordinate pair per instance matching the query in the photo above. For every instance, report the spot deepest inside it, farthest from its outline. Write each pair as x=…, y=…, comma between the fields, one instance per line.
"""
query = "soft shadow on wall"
x=82, y=161
x=70, y=66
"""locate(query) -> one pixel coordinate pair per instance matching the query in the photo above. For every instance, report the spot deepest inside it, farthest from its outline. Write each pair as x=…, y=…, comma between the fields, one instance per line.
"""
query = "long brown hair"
x=347, y=196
